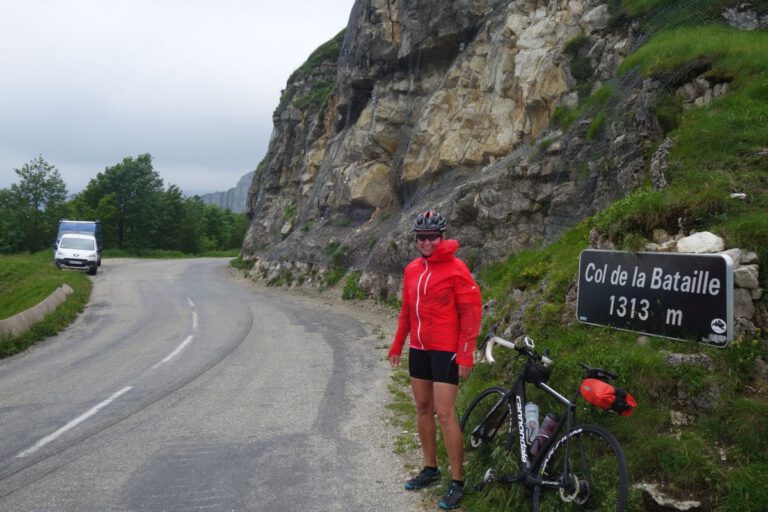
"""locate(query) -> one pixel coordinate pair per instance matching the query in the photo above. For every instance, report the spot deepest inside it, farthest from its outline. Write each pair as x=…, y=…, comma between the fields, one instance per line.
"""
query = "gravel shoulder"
x=372, y=419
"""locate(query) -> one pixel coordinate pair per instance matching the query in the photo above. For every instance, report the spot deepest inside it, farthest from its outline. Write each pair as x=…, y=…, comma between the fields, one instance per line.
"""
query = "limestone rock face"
x=233, y=199
x=449, y=106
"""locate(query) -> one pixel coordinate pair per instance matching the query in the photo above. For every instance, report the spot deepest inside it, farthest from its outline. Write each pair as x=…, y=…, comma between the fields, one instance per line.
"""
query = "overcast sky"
x=86, y=83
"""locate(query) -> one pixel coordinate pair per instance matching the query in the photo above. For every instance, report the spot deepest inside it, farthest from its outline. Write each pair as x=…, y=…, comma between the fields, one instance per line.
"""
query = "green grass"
x=332, y=277
x=25, y=280
x=320, y=91
x=655, y=15
x=243, y=265
x=746, y=490
x=402, y=410
x=564, y=117
x=687, y=459
x=352, y=288
x=716, y=147
x=328, y=51
x=317, y=95
x=550, y=270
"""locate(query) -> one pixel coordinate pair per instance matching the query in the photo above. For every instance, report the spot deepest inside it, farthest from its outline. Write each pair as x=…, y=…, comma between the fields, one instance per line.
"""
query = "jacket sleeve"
x=470, y=308
x=403, y=325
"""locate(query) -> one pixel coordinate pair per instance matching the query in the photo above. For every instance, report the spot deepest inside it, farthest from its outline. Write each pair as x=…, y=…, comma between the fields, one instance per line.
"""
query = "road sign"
x=674, y=295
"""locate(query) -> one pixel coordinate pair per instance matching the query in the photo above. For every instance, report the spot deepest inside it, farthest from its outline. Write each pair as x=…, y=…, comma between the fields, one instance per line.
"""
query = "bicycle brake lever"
x=546, y=361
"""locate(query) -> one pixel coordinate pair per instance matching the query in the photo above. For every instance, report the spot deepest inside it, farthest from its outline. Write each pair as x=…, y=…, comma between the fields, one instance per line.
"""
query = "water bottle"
x=546, y=431
x=531, y=421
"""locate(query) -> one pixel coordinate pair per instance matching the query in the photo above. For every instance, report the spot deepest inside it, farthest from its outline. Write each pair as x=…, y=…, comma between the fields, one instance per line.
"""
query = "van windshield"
x=83, y=244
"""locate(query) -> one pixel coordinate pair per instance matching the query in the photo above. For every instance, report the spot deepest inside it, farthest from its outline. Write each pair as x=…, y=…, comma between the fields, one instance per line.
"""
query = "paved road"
x=183, y=388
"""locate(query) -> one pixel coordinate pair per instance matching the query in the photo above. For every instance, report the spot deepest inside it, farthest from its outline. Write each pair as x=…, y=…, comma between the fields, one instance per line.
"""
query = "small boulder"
x=655, y=499
x=699, y=243
x=746, y=276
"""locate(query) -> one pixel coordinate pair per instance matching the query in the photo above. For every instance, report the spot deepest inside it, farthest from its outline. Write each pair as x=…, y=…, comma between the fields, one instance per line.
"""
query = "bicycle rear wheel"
x=598, y=478
x=478, y=428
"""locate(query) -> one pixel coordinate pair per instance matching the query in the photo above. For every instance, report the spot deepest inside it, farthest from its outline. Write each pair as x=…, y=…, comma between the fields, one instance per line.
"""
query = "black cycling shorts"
x=434, y=365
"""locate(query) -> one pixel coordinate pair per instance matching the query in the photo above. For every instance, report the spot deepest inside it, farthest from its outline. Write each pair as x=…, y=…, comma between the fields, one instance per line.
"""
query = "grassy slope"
x=716, y=148
x=721, y=456
x=25, y=280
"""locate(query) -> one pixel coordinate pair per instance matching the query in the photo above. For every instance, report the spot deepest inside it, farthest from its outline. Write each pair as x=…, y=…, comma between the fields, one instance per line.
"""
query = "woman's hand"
x=394, y=360
x=464, y=371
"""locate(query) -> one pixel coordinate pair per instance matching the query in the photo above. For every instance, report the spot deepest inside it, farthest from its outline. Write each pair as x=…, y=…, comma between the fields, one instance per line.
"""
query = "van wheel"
x=92, y=271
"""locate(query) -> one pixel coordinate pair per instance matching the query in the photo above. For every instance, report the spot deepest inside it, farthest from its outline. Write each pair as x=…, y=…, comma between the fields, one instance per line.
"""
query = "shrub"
x=351, y=288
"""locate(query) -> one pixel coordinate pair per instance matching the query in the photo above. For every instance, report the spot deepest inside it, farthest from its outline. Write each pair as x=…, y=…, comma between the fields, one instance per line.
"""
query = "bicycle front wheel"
x=595, y=477
x=481, y=429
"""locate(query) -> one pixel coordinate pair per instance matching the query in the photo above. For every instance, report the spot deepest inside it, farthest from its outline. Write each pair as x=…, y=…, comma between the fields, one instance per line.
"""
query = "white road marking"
x=72, y=424
x=175, y=352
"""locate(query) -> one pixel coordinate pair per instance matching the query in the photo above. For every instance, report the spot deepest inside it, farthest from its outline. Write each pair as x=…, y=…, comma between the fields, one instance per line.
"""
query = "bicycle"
x=580, y=467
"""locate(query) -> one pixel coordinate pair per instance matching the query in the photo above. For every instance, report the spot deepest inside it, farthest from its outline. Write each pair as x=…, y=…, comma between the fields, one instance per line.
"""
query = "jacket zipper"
x=418, y=299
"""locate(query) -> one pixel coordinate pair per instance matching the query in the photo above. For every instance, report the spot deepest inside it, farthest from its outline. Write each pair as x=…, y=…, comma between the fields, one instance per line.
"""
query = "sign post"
x=673, y=295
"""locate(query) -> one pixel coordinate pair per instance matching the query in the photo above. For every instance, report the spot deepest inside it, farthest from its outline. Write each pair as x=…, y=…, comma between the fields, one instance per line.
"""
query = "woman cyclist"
x=441, y=312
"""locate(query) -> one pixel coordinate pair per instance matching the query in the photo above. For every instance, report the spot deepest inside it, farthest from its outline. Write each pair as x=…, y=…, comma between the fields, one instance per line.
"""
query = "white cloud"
x=193, y=83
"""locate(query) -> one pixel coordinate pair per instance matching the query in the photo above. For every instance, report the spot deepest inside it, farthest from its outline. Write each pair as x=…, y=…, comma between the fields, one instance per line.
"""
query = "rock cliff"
x=450, y=106
x=233, y=199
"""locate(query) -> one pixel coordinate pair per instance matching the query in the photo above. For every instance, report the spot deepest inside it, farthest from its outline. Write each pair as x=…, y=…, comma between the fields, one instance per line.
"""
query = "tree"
x=11, y=234
x=218, y=226
x=32, y=208
x=127, y=197
x=136, y=213
x=193, y=233
x=238, y=231
x=172, y=225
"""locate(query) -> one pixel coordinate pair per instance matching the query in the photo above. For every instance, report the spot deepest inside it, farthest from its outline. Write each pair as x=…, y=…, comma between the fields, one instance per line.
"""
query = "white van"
x=79, y=251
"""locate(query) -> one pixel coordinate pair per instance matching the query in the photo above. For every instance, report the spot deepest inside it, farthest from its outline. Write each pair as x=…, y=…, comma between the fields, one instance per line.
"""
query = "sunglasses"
x=431, y=237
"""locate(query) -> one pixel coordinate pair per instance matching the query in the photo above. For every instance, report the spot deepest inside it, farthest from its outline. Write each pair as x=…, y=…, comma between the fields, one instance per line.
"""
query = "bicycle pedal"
x=477, y=487
x=510, y=479
x=490, y=476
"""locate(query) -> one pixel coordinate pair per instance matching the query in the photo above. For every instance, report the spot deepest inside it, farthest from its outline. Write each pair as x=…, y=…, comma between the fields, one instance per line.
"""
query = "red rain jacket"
x=442, y=306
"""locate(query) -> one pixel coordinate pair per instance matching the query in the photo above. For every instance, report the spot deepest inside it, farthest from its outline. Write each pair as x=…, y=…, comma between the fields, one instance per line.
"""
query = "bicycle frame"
x=568, y=479
x=517, y=396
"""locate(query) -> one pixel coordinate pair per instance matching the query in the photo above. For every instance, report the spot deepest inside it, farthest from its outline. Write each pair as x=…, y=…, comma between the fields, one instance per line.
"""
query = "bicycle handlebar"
x=527, y=348
x=493, y=341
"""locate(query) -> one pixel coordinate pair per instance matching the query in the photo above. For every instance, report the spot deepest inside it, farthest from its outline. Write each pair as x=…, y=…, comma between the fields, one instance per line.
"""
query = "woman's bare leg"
x=445, y=407
x=423, y=395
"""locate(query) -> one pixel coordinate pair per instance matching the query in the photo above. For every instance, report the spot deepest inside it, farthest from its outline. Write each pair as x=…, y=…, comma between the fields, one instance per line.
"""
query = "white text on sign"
x=697, y=282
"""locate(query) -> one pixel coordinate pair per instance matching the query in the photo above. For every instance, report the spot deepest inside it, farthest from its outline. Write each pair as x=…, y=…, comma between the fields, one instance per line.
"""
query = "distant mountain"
x=233, y=199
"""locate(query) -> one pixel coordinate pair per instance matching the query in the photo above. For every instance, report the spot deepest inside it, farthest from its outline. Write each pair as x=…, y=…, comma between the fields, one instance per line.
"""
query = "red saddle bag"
x=608, y=397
